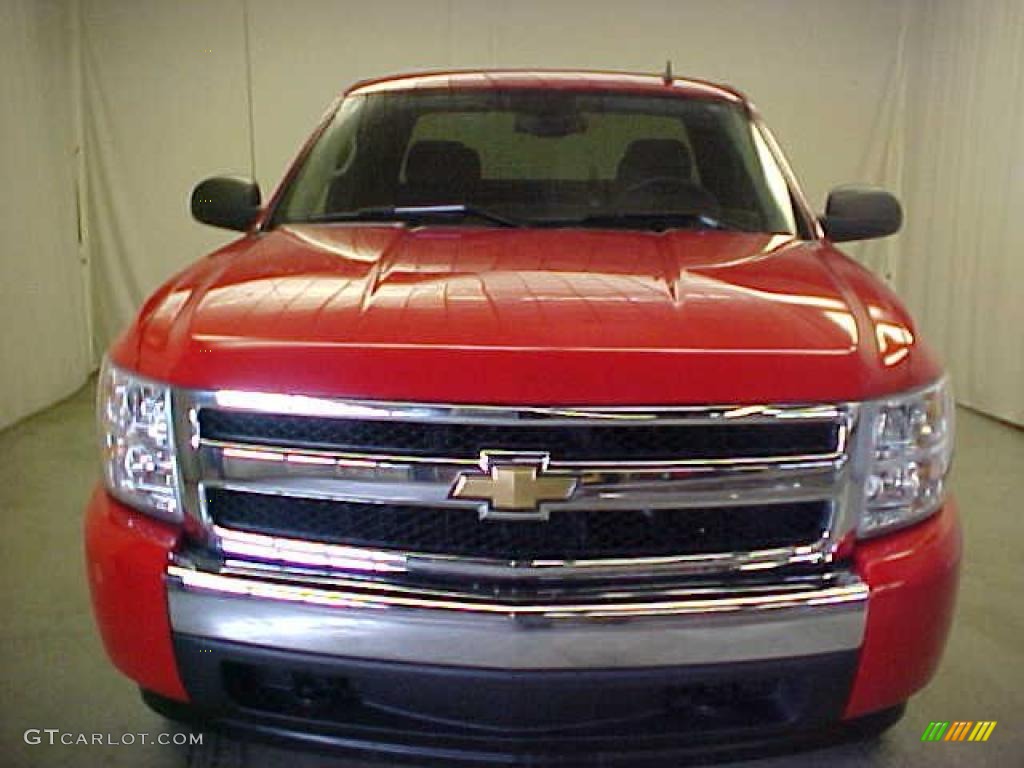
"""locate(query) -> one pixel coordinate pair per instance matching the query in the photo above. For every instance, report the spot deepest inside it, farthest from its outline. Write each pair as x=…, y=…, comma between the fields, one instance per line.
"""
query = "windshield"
x=542, y=158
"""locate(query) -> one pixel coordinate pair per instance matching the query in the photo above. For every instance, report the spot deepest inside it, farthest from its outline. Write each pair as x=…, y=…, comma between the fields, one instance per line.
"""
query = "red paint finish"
x=126, y=554
x=571, y=317
x=548, y=80
x=913, y=578
x=556, y=317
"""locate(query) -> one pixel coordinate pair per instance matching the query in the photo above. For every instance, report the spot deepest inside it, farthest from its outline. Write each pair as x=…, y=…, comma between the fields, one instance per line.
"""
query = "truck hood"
x=534, y=303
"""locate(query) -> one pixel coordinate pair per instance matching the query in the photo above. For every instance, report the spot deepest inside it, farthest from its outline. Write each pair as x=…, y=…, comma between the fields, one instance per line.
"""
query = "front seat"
x=657, y=174
x=441, y=172
x=653, y=159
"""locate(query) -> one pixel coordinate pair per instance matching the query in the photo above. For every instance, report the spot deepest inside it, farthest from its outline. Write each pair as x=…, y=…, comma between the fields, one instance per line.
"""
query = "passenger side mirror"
x=856, y=212
x=231, y=202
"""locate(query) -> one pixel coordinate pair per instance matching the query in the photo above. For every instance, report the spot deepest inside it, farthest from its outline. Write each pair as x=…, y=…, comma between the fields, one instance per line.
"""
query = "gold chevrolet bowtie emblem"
x=514, y=486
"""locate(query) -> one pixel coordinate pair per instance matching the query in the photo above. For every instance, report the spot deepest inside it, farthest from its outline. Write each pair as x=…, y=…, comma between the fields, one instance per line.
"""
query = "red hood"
x=504, y=315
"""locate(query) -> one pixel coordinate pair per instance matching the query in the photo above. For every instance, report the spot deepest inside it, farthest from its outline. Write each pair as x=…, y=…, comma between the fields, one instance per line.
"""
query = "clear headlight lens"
x=912, y=450
x=136, y=442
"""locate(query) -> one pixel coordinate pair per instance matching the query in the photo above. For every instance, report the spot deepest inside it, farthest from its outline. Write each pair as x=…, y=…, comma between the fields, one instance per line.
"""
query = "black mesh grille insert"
x=568, y=535
x=564, y=443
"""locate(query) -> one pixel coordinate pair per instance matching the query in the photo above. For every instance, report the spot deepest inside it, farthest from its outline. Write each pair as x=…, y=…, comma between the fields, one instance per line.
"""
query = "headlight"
x=136, y=442
x=912, y=448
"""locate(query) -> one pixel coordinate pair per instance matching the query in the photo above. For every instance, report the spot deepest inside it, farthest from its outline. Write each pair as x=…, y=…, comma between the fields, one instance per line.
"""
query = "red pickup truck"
x=535, y=416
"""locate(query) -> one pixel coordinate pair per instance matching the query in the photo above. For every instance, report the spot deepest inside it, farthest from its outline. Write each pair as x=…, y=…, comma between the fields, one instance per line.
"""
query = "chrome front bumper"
x=582, y=629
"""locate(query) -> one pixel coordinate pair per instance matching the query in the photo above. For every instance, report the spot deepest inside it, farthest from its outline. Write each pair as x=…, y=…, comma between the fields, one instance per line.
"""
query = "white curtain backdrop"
x=925, y=97
x=960, y=263
x=43, y=339
x=165, y=104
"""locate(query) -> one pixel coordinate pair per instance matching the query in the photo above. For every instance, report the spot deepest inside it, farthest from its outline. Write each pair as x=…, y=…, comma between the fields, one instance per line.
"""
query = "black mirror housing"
x=858, y=212
x=230, y=202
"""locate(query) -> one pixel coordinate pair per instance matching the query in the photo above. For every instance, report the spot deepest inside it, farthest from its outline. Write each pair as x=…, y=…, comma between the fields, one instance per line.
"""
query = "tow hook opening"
x=289, y=692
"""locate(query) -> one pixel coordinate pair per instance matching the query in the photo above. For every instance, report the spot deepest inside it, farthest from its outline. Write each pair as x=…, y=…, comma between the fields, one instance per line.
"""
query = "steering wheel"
x=701, y=203
x=666, y=184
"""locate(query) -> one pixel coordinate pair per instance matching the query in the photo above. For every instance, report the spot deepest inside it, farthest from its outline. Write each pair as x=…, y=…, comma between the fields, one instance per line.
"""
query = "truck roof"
x=555, y=79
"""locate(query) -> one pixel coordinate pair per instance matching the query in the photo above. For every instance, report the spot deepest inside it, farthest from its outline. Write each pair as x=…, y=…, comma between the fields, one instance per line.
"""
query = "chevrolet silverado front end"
x=534, y=417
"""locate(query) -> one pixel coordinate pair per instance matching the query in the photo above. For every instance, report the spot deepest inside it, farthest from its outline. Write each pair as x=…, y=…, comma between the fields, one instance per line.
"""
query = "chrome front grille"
x=366, y=487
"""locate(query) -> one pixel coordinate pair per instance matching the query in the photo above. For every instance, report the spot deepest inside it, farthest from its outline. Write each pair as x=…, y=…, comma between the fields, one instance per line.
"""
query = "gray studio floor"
x=56, y=676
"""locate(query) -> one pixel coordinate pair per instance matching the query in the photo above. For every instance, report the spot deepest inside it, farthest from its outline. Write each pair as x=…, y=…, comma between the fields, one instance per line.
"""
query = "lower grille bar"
x=568, y=535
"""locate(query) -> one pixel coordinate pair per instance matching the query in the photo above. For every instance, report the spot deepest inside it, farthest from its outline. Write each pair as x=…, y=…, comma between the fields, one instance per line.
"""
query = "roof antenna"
x=666, y=77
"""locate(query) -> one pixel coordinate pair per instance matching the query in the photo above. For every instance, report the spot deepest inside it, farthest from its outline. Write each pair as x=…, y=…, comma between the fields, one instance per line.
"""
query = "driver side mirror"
x=856, y=212
x=231, y=202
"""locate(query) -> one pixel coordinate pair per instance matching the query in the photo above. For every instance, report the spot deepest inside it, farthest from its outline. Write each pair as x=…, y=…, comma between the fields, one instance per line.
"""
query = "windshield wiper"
x=415, y=212
x=657, y=220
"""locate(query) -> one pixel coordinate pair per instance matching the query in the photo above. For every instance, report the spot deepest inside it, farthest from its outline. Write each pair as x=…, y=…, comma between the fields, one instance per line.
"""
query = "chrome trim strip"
x=292, y=474
x=281, y=551
x=270, y=453
x=446, y=628
x=550, y=594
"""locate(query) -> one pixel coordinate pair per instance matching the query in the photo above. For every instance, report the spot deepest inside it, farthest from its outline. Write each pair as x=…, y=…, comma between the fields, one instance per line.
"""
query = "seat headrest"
x=450, y=165
x=651, y=158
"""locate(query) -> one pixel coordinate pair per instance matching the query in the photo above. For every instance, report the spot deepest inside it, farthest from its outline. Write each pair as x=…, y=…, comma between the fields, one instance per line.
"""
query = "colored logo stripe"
x=982, y=731
x=958, y=730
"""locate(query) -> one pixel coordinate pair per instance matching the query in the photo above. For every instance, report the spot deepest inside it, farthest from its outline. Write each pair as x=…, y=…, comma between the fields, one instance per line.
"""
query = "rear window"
x=507, y=153
x=544, y=158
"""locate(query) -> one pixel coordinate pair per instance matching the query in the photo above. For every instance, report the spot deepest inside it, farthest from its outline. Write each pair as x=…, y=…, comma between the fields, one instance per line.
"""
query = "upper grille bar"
x=610, y=440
